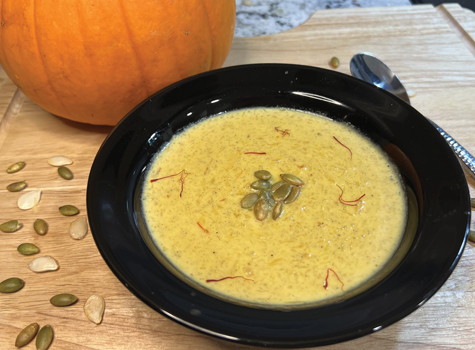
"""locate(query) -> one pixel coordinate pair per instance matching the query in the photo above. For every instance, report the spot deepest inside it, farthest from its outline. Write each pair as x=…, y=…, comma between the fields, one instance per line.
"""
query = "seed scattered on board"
x=60, y=161
x=29, y=199
x=94, y=308
x=43, y=264
x=26, y=335
x=78, y=228
x=11, y=226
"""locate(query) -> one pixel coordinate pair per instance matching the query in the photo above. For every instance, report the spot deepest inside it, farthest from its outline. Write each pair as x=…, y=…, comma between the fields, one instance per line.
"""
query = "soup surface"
x=344, y=226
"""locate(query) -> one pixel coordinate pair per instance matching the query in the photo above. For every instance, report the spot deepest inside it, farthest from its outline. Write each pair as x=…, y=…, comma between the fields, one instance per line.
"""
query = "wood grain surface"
x=432, y=51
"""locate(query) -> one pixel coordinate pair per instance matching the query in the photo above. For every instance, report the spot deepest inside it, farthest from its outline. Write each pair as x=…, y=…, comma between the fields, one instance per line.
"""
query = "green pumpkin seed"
x=40, y=226
x=261, y=185
x=282, y=192
x=26, y=335
x=263, y=174
x=334, y=62
x=11, y=226
x=293, y=195
x=17, y=186
x=278, y=210
x=44, y=338
x=11, y=285
x=249, y=200
x=65, y=173
x=292, y=179
x=472, y=202
x=276, y=186
x=261, y=209
x=267, y=195
x=15, y=167
x=68, y=210
x=471, y=236
x=63, y=299
x=28, y=249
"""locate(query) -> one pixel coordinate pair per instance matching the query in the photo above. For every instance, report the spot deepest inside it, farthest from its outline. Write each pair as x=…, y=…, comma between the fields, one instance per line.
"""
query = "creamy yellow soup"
x=345, y=225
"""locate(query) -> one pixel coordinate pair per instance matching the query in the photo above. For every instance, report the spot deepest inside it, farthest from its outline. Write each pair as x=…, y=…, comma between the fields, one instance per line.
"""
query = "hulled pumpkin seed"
x=17, y=186
x=282, y=192
x=249, y=200
x=471, y=236
x=29, y=200
x=65, y=173
x=44, y=338
x=94, y=308
x=11, y=226
x=293, y=195
x=472, y=202
x=15, y=167
x=292, y=179
x=27, y=335
x=263, y=174
x=60, y=161
x=261, y=209
x=261, y=185
x=278, y=210
x=334, y=62
x=68, y=210
x=28, y=249
x=43, y=264
x=11, y=285
x=64, y=299
x=276, y=186
x=40, y=226
x=78, y=228
x=267, y=195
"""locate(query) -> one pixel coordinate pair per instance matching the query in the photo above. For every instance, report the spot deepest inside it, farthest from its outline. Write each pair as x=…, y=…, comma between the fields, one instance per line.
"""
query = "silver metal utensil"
x=366, y=67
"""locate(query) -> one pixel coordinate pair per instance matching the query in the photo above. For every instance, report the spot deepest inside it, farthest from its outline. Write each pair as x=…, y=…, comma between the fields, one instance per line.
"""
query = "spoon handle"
x=465, y=157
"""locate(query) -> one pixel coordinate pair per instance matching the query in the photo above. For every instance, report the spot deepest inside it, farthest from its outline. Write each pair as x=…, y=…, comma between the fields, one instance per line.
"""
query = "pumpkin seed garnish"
x=17, y=186
x=68, y=210
x=15, y=167
x=40, y=226
x=29, y=200
x=249, y=200
x=292, y=179
x=44, y=338
x=59, y=161
x=275, y=186
x=78, y=228
x=267, y=195
x=471, y=236
x=261, y=209
x=472, y=202
x=64, y=299
x=261, y=185
x=282, y=192
x=65, y=173
x=11, y=285
x=94, y=308
x=278, y=210
x=11, y=226
x=263, y=174
x=26, y=335
x=28, y=249
x=293, y=195
x=43, y=264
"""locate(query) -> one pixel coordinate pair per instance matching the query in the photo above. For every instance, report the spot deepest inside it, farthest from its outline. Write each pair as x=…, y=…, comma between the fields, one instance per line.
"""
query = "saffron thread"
x=325, y=283
x=201, y=227
x=347, y=202
x=183, y=174
x=255, y=153
x=283, y=132
x=351, y=153
x=229, y=277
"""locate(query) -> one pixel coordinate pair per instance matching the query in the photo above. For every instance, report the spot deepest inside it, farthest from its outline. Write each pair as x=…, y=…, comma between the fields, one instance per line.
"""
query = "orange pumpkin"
x=93, y=61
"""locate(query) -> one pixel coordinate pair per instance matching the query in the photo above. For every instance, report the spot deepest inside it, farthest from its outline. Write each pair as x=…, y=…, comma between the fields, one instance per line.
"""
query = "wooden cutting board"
x=431, y=49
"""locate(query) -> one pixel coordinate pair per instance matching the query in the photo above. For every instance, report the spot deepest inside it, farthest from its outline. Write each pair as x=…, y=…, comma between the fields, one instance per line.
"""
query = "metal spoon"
x=366, y=67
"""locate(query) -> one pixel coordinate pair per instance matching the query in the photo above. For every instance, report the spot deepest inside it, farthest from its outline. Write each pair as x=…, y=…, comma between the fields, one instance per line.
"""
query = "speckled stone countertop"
x=264, y=17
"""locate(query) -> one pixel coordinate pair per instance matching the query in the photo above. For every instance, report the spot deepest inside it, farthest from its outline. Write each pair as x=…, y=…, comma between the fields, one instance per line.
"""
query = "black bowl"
x=440, y=214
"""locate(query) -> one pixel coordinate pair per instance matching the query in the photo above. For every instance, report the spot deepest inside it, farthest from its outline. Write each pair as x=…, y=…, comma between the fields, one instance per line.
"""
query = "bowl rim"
x=112, y=223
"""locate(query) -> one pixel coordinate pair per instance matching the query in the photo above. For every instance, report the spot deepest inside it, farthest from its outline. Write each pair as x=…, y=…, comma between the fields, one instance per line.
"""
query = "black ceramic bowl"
x=431, y=248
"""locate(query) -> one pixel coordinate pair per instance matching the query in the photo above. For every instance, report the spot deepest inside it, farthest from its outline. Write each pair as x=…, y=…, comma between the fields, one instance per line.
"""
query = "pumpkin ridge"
x=211, y=63
x=43, y=65
x=140, y=64
x=2, y=31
